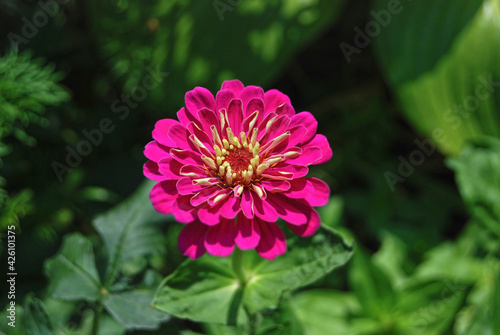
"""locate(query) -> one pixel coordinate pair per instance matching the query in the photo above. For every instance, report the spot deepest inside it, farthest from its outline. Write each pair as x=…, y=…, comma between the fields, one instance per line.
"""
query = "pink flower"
x=232, y=166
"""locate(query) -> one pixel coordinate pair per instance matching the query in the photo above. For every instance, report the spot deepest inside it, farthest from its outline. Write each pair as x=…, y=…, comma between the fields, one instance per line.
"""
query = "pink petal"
x=249, y=93
x=309, y=228
x=264, y=210
x=300, y=189
x=186, y=157
x=150, y=170
x=192, y=240
x=205, y=140
x=235, y=116
x=160, y=133
x=272, y=241
x=307, y=120
x=294, y=211
x=170, y=168
x=199, y=98
x=279, y=127
x=183, y=210
x=285, y=109
x=309, y=156
x=233, y=85
x=247, y=204
x=231, y=207
x=193, y=171
x=247, y=233
x=296, y=135
x=179, y=134
x=210, y=215
x=273, y=99
x=186, y=186
x=207, y=119
x=219, y=240
x=253, y=105
x=204, y=195
x=296, y=171
x=186, y=117
x=163, y=196
x=276, y=185
x=223, y=99
x=155, y=151
x=321, y=142
x=321, y=193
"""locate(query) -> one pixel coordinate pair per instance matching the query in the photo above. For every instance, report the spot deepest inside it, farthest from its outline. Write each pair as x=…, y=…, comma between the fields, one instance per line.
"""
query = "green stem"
x=238, y=265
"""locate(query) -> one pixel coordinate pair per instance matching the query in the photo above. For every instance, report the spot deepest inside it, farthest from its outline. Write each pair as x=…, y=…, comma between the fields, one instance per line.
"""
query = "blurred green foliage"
x=426, y=255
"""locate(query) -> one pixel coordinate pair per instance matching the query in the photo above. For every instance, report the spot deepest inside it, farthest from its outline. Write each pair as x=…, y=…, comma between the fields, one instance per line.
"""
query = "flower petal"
x=309, y=122
x=247, y=206
x=309, y=228
x=170, y=168
x=272, y=240
x=253, y=105
x=294, y=211
x=199, y=98
x=155, y=151
x=264, y=210
x=186, y=157
x=204, y=195
x=309, y=156
x=163, y=196
x=223, y=99
x=160, y=133
x=320, y=141
x=219, y=240
x=210, y=215
x=192, y=240
x=183, y=210
x=273, y=99
x=233, y=85
x=247, y=233
x=249, y=93
x=276, y=185
x=231, y=207
x=150, y=170
x=235, y=116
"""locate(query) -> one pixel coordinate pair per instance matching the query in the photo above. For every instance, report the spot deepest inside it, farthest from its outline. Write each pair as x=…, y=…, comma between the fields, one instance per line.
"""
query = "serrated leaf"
x=72, y=272
x=133, y=309
x=130, y=231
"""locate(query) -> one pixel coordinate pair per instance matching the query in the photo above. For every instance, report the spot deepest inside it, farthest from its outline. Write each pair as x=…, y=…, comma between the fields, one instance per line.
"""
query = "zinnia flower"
x=232, y=165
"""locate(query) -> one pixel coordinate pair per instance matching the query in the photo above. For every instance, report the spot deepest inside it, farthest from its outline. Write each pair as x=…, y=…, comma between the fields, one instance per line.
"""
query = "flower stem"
x=238, y=265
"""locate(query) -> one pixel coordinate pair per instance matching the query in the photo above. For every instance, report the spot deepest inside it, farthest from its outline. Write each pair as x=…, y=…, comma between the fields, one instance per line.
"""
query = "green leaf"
x=131, y=231
x=477, y=172
x=321, y=310
x=72, y=272
x=201, y=290
x=133, y=309
x=210, y=281
x=306, y=260
x=177, y=37
x=371, y=285
x=449, y=93
x=36, y=320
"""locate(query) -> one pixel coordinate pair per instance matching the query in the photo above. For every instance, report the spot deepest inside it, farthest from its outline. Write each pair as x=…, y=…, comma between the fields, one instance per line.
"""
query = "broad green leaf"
x=477, y=172
x=449, y=93
x=200, y=43
x=391, y=258
x=203, y=290
x=36, y=320
x=72, y=272
x=133, y=309
x=197, y=284
x=130, y=231
x=371, y=285
x=321, y=311
x=106, y=325
x=306, y=260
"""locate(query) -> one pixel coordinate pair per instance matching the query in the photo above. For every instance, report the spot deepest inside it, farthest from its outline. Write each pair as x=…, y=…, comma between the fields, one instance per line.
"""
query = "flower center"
x=237, y=159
